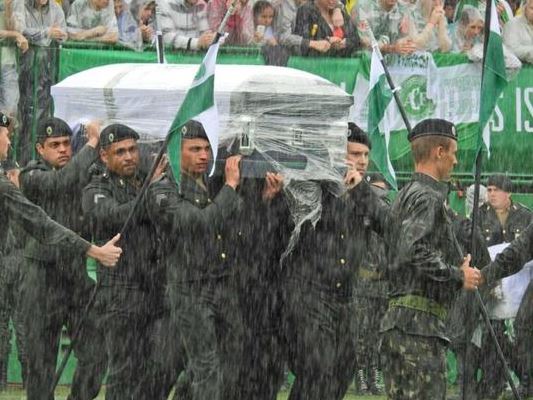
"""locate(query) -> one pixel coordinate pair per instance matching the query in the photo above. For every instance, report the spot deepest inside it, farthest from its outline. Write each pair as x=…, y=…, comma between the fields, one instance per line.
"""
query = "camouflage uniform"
x=423, y=274
x=55, y=285
x=201, y=284
x=493, y=381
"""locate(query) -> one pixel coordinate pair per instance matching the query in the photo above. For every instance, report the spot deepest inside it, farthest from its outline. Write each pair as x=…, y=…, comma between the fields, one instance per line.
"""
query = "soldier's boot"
x=361, y=386
x=375, y=382
x=526, y=386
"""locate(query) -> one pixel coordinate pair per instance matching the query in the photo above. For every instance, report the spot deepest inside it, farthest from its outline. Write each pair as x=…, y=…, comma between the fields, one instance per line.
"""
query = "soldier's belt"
x=420, y=303
x=365, y=273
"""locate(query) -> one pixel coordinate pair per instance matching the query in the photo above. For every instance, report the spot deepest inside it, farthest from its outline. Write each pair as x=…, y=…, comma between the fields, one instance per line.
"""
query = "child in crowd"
x=263, y=12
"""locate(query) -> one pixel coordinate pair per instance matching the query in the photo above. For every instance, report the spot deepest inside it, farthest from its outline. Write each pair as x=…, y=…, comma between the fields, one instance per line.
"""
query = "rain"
x=266, y=199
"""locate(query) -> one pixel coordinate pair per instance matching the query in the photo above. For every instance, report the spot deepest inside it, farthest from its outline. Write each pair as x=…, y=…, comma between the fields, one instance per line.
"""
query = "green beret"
x=501, y=181
x=193, y=130
x=115, y=133
x=4, y=120
x=433, y=127
x=53, y=127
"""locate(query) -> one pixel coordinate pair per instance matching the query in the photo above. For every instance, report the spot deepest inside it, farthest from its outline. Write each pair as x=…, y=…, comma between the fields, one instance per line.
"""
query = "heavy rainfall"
x=266, y=199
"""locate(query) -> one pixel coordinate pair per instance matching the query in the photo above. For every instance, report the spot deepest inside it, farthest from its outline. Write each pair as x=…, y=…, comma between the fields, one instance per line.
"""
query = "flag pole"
x=123, y=232
x=159, y=46
x=473, y=236
x=395, y=90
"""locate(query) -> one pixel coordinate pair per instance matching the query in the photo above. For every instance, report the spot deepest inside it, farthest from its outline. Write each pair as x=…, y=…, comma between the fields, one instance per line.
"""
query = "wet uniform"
x=55, y=284
x=424, y=277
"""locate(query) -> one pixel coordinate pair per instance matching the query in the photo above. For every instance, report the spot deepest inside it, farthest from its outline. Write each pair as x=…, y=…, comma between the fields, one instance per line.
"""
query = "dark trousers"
x=414, y=367
x=9, y=293
x=52, y=297
x=212, y=330
x=264, y=352
x=320, y=334
x=523, y=324
x=128, y=320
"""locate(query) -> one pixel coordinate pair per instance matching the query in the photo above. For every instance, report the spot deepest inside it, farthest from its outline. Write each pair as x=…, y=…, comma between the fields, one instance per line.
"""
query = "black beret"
x=375, y=177
x=433, y=127
x=115, y=133
x=501, y=181
x=9, y=165
x=193, y=130
x=53, y=127
x=4, y=120
x=357, y=135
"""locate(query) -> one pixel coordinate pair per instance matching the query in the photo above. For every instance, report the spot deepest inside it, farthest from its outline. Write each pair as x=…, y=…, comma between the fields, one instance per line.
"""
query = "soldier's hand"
x=109, y=254
x=232, y=171
x=92, y=132
x=353, y=177
x=472, y=276
x=273, y=185
x=161, y=168
x=13, y=175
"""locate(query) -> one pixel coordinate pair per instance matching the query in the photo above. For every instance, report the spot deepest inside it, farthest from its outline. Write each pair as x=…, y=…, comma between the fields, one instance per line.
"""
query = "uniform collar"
x=441, y=187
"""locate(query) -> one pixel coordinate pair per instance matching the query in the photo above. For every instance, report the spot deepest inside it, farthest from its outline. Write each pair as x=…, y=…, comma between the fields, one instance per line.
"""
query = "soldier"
x=502, y=220
x=321, y=274
x=192, y=224
x=423, y=270
x=9, y=287
x=43, y=24
x=129, y=299
x=55, y=285
x=370, y=292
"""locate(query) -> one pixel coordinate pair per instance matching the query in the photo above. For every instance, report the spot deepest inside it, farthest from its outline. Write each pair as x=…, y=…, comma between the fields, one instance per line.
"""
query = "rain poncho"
x=83, y=16
x=518, y=36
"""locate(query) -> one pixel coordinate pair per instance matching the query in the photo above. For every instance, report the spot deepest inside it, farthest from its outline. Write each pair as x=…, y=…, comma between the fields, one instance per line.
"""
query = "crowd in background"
x=31, y=31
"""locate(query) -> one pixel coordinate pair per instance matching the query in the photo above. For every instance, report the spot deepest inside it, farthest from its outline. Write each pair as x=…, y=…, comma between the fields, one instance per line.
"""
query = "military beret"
x=4, y=120
x=357, y=135
x=53, y=127
x=115, y=133
x=433, y=127
x=193, y=130
x=375, y=177
x=8, y=165
x=501, y=181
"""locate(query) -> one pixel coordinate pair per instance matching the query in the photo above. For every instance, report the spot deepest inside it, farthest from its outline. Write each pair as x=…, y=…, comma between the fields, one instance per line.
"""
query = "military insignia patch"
x=184, y=130
x=111, y=137
x=49, y=130
x=4, y=119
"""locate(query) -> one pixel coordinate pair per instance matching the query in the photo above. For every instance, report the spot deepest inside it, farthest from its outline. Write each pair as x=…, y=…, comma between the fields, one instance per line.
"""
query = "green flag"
x=379, y=98
x=494, y=76
x=199, y=105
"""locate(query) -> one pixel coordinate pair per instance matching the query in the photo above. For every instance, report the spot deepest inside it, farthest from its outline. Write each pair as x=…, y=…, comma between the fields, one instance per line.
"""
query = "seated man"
x=92, y=20
x=518, y=34
x=184, y=24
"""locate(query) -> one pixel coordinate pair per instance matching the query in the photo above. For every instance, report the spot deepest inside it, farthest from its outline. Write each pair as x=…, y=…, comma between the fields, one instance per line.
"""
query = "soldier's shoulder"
x=34, y=165
x=521, y=208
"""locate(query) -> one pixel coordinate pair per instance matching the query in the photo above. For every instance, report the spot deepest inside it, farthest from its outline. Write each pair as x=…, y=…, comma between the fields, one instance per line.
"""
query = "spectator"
x=129, y=33
x=43, y=24
x=390, y=23
x=449, y=10
x=505, y=12
x=432, y=26
x=518, y=34
x=9, y=94
x=93, y=20
x=266, y=36
x=143, y=11
x=285, y=25
x=314, y=21
x=263, y=12
x=240, y=26
x=468, y=38
x=184, y=24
